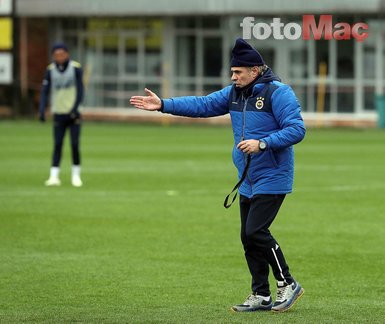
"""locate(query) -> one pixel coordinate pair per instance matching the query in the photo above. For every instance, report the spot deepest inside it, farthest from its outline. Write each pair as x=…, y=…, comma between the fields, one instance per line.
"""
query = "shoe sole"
x=234, y=310
x=299, y=295
x=52, y=184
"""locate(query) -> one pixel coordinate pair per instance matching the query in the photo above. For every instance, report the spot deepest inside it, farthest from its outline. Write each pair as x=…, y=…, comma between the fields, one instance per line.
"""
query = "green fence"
x=380, y=106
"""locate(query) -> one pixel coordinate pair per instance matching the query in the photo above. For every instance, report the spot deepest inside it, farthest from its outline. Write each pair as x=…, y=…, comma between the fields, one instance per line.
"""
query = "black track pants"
x=261, y=249
x=61, y=123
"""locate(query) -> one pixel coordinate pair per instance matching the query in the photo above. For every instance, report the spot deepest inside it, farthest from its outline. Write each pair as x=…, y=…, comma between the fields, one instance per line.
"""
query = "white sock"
x=54, y=172
x=76, y=170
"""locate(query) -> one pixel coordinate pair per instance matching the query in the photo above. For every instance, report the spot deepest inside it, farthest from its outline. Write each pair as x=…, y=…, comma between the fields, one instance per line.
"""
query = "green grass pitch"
x=147, y=240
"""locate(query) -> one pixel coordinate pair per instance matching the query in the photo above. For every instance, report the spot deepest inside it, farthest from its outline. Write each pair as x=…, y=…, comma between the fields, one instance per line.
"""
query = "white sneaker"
x=253, y=303
x=76, y=181
x=287, y=295
x=53, y=181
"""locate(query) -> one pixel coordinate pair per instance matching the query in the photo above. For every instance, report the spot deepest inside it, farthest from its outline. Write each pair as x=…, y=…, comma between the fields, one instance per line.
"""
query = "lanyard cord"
x=226, y=202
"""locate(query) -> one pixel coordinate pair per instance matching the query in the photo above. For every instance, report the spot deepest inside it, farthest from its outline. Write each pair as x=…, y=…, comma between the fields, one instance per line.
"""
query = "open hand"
x=149, y=102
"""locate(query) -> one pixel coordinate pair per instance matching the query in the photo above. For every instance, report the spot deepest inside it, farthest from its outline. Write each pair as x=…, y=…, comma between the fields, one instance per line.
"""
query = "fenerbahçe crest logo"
x=259, y=103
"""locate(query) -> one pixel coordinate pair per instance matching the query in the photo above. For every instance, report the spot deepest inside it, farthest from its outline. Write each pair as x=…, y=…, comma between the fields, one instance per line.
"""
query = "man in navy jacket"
x=266, y=122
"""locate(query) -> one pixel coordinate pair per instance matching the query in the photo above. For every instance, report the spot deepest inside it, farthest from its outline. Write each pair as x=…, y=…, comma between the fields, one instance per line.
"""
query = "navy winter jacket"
x=267, y=110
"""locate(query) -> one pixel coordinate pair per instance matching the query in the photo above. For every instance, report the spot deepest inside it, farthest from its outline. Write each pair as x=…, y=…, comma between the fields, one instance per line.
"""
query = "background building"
x=184, y=47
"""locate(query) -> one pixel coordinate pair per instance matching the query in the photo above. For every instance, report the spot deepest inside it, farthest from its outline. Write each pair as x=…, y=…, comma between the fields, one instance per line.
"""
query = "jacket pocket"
x=238, y=159
x=274, y=159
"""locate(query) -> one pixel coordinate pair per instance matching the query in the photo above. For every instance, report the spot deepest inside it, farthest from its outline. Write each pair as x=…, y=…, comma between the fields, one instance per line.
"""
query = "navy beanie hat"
x=243, y=54
x=57, y=46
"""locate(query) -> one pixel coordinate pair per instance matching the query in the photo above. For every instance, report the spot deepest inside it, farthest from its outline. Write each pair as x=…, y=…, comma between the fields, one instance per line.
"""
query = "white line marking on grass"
x=172, y=193
x=327, y=168
x=197, y=192
x=343, y=188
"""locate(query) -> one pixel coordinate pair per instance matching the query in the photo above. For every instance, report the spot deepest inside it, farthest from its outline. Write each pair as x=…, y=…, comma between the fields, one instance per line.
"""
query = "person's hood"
x=268, y=76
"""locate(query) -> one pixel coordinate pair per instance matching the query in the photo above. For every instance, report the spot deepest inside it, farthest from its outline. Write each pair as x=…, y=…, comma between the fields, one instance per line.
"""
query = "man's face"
x=242, y=76
x=60, y=56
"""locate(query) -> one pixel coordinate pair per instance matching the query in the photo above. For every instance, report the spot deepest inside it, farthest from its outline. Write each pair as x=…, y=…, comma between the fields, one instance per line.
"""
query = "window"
x=345, y=59
x=322, y=54
x=199, y=55
x=110, y=54
x=212, y=56
x=298, y=63
x=119, y=56
x=185, y=56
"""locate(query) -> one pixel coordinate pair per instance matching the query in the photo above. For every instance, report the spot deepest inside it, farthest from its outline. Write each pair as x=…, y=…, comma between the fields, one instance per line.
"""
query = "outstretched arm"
x=149, y=102
x=214, y=104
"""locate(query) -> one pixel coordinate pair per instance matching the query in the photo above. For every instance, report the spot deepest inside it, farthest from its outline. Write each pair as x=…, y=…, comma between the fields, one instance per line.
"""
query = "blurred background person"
x=63, y=82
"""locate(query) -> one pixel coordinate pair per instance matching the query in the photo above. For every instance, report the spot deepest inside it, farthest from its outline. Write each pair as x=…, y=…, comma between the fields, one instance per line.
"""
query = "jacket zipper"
x=244, y=117
x=243, y=131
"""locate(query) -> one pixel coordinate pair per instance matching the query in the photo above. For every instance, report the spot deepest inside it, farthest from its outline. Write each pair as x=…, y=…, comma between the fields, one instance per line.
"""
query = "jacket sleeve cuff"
x=167, y=106
x=161, y=106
